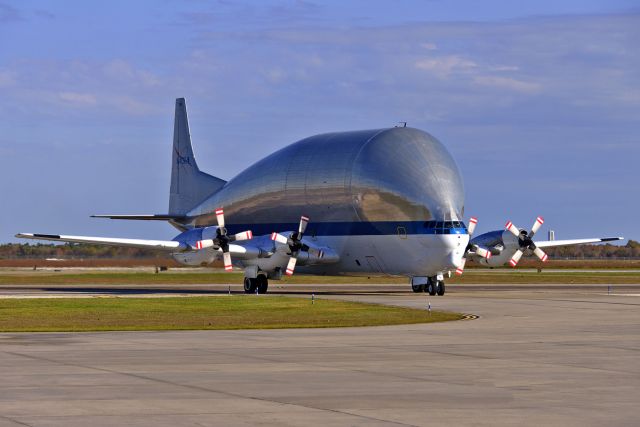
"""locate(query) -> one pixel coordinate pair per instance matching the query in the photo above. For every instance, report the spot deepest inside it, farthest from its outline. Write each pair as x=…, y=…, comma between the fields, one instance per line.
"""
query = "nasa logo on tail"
x=182, y=160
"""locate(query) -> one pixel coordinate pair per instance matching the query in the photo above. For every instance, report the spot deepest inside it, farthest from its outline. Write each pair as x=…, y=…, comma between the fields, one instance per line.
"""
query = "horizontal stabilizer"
x=551, y=243
x=159, y=217
x=132, y=243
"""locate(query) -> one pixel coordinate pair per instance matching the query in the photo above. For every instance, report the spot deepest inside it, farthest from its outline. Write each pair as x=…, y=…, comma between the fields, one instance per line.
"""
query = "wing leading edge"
x=552, y=243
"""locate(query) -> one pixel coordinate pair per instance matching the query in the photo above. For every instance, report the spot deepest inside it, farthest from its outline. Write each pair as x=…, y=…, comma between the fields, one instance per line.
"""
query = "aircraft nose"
x=456, y=248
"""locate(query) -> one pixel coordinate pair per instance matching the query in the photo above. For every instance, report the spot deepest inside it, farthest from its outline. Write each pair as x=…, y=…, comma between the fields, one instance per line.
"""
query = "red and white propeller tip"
x=303, y=224
x=540, y=254
x=536, y=226
x=291, y=266
x=228, y=266
x=484, y=253
x=279, y=238
x=245, y=235
x=515, y=258
x=512, y=228
x=473, y=221
x=220, y=217
x=460, y=268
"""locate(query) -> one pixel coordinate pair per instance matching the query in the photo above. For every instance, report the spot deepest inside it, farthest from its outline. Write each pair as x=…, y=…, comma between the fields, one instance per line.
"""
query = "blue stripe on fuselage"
x=378, y=228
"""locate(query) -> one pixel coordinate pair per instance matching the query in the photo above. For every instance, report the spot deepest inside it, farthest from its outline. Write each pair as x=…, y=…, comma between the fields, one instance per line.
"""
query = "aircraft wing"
x=132, y=243
x=245, y=251
x=152, y=217
x=552, y=243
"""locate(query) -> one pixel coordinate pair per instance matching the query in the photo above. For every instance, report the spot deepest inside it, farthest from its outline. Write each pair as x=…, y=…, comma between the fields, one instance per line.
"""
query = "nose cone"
x=405, y=174
x=443, y=252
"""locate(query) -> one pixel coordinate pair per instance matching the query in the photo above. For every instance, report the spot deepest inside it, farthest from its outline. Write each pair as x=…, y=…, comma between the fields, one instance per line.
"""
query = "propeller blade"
x=220, y=217
x=512, y=228
x=536, y=226
x=473, y=221
x=460, y=268
x=279, y=238
x=515, y=258
x=291, y=266
x=245, y=235
x=227, y=261
x=484, y=253
x=202, y=244
x=303, y=224
x=540, y=254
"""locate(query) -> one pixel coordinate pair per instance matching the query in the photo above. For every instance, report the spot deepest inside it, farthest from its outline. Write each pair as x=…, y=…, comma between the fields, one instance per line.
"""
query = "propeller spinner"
x=222, y=240
x=295, y=244
x=525, y=241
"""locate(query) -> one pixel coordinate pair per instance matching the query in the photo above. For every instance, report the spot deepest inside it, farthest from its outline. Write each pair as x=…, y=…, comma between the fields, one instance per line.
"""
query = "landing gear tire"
x=417, y=288
x=440, y=288
x=250, y=285
x=263, y=284
x=431, y=288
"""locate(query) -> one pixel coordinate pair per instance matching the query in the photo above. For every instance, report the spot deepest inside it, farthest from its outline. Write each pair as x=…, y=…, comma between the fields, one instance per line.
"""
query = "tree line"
x=75, y=251
x=630, y=250
x=83, y=250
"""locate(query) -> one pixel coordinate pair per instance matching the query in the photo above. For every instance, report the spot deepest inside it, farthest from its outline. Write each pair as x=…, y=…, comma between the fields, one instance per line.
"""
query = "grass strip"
x=470, y=276
x=222, y=312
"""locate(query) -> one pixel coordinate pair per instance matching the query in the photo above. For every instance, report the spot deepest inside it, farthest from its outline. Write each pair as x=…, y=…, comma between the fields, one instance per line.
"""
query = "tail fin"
x=189, y=186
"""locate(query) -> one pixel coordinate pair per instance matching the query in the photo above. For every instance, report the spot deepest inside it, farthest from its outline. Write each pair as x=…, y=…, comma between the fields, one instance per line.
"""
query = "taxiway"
x=535, y=356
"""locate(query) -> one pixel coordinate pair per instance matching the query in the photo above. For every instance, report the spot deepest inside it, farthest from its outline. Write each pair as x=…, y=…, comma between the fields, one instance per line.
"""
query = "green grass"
x=481, y=276
x=222, y=312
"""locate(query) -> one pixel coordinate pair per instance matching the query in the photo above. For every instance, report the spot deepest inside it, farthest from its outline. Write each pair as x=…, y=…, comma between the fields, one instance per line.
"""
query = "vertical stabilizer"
x=189, y=186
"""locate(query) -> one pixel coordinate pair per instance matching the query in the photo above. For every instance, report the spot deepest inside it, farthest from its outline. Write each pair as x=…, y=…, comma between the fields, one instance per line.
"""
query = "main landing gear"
x=432, y=287
x=259, y=284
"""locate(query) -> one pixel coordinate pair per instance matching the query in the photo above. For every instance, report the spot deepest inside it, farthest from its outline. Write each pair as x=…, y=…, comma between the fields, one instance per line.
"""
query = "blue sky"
x=539, y=103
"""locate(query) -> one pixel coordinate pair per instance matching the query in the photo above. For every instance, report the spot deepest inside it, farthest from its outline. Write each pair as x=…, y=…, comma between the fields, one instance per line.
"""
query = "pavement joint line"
x=207, y=390
x=4, y=417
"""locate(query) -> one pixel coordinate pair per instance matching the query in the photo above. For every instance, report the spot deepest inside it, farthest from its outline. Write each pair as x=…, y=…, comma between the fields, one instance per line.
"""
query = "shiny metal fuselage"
x=368, y=194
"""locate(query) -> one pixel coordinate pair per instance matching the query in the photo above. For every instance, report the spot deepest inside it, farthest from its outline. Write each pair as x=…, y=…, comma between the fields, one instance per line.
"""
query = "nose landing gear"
x=433, y=287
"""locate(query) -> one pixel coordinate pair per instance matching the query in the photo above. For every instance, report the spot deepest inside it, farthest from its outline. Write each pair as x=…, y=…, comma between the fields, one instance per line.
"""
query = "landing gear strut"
x=260, y=283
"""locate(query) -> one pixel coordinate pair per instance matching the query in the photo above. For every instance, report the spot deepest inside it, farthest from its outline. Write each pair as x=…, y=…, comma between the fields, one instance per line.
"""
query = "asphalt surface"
x=558, y=355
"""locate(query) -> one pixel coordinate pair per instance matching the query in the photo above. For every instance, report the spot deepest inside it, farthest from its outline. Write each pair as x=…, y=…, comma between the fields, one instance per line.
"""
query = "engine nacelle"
x=502, y=244
x=196, y=258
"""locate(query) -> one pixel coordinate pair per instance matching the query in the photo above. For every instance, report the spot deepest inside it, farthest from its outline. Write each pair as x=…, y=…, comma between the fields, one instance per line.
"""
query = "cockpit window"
x=446, y=227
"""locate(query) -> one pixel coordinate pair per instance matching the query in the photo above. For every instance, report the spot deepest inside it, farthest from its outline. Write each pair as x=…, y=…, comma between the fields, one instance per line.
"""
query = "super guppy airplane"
x=373, y=201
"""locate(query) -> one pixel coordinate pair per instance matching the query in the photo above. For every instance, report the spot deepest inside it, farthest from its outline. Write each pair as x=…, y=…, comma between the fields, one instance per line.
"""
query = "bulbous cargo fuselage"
x=386, y=200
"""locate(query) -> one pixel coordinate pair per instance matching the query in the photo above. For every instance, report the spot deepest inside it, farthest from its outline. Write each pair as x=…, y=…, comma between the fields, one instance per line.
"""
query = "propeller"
x=472, y=248
x=222, y=240
x=525, y=241
x=295, y=244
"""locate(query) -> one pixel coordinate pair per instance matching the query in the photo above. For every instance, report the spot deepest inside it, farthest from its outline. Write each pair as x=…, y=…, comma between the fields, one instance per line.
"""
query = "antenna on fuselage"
x=404, y=125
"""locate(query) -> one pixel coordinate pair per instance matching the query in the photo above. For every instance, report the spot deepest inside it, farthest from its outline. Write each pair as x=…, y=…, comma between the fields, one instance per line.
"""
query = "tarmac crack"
x=4, y=417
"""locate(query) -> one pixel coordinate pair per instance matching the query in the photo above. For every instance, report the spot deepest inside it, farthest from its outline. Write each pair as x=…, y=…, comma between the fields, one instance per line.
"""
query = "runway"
x=557, y=355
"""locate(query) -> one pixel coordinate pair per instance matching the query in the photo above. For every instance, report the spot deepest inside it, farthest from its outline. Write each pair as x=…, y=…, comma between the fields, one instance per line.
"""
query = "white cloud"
x=508, y=83
x=444, y=66
x=78, y=99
